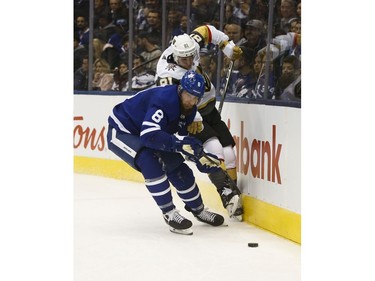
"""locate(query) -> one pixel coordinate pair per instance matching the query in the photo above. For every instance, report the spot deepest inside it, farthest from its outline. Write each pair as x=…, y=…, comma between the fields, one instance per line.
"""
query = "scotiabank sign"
x=261, y=156
x=267, y=144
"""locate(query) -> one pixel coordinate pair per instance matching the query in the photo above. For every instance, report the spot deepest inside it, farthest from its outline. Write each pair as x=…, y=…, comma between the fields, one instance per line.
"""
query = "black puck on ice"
x=252, y=245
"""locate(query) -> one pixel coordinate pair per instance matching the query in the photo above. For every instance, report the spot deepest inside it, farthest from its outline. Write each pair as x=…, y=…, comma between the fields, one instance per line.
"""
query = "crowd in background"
x=245, y=22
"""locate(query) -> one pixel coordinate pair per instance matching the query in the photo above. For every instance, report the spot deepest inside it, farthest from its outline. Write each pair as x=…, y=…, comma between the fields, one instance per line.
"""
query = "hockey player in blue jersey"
x=141, y=131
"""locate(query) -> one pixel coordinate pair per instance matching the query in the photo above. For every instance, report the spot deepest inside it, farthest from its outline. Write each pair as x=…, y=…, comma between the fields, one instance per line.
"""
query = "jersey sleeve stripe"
x=151, y=124
x=119, y=124
x=149, y=130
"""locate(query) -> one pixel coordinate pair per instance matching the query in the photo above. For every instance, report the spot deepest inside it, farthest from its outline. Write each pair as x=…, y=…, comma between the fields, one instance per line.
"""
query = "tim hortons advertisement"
x=268, y=145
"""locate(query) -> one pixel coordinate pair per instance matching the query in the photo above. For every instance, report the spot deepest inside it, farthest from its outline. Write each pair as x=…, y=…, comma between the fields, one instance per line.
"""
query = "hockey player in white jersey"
x=183, y=55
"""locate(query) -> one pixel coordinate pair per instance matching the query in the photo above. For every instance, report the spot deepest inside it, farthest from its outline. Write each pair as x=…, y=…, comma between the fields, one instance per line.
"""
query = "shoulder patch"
x=171, y=67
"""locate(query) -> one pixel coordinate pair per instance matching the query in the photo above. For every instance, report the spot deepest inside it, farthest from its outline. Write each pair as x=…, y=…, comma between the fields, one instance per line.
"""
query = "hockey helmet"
x=193, y=83
x=183, y=46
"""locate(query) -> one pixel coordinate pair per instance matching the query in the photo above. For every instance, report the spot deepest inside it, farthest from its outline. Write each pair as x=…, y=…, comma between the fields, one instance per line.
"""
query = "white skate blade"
x=236, y=218
x=187, y=231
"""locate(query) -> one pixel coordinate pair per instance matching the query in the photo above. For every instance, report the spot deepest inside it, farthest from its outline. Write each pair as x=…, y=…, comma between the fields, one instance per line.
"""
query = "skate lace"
x=175, y=216
x=207, y=216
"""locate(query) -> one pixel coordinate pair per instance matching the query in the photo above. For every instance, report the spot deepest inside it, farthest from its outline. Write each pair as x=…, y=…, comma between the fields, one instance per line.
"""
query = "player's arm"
x=206, y=34
x=153, y=136
x=152, y=133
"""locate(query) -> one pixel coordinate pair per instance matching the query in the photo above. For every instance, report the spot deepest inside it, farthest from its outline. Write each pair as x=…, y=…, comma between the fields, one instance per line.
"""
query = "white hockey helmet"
x=183, y=46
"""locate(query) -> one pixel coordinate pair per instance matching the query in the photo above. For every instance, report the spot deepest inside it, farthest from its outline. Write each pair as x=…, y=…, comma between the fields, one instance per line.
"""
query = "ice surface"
x=120, y=234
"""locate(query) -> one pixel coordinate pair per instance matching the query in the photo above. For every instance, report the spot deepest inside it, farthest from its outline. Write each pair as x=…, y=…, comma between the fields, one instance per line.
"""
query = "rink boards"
x=268, y=147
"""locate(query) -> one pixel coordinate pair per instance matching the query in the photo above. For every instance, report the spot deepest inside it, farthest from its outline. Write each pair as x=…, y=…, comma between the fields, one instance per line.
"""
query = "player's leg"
x=129, y=149
x=182, y=178
x=226, y=187
x=230, y=162
x=226, y=140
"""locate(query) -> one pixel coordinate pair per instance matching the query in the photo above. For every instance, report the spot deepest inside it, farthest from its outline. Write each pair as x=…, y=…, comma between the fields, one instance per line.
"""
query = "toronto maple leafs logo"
x=191, y=75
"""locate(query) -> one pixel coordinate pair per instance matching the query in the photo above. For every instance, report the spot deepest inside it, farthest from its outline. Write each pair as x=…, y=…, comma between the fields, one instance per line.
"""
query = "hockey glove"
x=195, y=127
x=188, y=146
x=237, y=53
x=207, y=163
x=231, y=50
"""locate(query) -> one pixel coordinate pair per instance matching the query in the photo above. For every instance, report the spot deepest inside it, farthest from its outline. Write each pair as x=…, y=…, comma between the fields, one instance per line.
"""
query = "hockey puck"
x=252, y=245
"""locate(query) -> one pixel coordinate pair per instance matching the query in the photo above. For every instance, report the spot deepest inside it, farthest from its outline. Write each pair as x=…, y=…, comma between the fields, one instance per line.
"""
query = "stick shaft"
x=227, y=78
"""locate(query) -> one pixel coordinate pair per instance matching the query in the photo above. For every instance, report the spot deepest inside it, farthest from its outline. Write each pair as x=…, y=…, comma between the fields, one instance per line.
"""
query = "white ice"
x=119, y=234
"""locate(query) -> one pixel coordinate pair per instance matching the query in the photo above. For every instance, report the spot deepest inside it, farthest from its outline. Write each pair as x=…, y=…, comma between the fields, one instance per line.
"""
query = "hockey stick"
x=142, y=64
x=255, y=94
x=224, y=94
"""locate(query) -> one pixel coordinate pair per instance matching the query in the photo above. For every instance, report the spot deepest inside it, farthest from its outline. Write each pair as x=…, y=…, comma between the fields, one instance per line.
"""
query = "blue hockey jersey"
x=154, y=115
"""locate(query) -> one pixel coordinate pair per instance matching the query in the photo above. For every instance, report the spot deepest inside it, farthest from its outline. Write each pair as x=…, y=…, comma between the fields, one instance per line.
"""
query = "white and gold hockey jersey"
x=168, y=72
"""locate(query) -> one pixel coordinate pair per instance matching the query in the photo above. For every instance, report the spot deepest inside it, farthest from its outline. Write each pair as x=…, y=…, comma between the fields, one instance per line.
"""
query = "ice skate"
x=232, y=203
x=208, y=217
x=177, y=223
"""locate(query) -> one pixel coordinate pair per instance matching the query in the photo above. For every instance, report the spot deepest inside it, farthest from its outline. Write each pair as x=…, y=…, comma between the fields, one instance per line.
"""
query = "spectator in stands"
x=255, y=36
x=81, y=8
x=258, y=10
x=288, y=11
x=179, y=5
x=299, y=9
x=208, y=64
x=79, y=53
x=143, y=10
x=97, y=46
x=234, y=32
x=173, y=25
x=184, y=23
x=151, y=51
x=295, y=26
x=105, y=27
x=153, y=4
x=290, y=76
x=228, y=16
x=119, y=12
x=120, y=77
x=154, y=25
x=292, y=91
x=241, y=12
x=101, y=11
x=128, y=47
x=81, y=76
x=112, y=51
x=242, y=79
x=82, y=31
x=142, y=79
x=103, y=78
x=286, y=44
x=259, y=70
x=203, y=12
